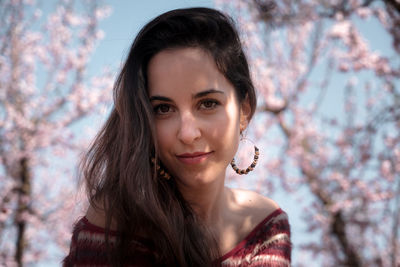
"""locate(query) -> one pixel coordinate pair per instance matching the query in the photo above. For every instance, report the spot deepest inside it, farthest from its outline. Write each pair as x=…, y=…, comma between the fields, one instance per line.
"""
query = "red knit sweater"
x=268, y=244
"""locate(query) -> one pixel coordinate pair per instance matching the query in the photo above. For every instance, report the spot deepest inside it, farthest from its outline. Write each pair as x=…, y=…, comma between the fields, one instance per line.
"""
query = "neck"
x=207, y=201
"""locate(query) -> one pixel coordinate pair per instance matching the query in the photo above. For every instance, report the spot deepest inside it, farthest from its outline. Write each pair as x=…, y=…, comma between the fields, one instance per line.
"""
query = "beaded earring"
x=252, y=165
x=160, y=170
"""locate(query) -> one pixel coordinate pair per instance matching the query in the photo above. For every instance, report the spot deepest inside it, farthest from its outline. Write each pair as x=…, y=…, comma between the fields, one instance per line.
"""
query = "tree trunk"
x=24, y=194
x=338, y=229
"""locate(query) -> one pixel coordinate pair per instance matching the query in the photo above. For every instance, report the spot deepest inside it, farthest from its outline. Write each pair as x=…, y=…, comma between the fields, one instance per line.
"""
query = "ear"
x=245, y=111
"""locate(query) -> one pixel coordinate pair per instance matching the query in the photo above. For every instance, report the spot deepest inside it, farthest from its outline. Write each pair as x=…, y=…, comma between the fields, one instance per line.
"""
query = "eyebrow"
x=197, y=95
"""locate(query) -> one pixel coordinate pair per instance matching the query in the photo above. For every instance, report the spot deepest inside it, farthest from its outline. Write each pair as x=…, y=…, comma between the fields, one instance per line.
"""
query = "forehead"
x=184, y=69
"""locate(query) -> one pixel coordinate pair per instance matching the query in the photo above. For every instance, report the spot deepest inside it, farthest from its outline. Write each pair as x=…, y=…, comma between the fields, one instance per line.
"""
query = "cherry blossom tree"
x=45, y=92
x=329, y=120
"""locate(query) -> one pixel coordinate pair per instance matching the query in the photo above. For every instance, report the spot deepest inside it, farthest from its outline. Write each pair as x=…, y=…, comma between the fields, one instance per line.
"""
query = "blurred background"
x=327, y=76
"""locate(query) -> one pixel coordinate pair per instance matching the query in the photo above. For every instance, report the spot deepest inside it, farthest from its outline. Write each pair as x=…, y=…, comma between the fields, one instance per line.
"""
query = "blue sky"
x=121, y=27
x=126, y=19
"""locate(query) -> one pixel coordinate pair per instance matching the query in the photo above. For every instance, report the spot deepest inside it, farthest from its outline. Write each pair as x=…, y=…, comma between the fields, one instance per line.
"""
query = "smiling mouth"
x=193, y=158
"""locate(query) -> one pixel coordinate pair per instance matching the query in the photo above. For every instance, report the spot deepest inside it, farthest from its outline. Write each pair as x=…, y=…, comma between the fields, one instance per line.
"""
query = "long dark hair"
x=120, y=178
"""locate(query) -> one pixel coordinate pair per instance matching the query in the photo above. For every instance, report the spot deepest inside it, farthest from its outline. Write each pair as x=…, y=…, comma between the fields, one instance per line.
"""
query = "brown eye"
x=162, y=109
x=209, y=104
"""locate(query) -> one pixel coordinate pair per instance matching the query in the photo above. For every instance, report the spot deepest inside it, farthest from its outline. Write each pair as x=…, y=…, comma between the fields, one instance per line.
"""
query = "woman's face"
x=197, y=114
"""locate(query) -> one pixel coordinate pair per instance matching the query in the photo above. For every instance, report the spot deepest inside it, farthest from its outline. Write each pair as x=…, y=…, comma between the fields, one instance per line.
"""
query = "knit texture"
x=268, y=244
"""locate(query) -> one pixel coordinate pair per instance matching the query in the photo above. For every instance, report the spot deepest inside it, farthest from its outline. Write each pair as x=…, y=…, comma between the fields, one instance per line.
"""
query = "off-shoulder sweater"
x=268, y=244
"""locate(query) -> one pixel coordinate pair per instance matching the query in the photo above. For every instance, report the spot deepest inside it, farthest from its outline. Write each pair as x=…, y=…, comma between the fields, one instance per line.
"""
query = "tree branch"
x=20, y=222
x=338, y=224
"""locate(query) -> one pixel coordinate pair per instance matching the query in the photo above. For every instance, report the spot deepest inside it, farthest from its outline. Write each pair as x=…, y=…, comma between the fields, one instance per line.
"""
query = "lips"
x=193, y=158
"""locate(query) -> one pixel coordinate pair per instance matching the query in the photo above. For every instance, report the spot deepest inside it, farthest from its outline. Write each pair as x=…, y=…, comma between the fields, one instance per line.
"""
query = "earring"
x=160, y=170
x=251, y=167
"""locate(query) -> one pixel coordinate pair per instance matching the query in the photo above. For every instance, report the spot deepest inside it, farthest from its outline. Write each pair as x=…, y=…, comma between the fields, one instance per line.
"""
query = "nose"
x=189, y=129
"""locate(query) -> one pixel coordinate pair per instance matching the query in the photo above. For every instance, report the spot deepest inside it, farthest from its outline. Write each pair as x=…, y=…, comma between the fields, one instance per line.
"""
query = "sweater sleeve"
x=267, y=245
x=88, y=248
x=273, y=246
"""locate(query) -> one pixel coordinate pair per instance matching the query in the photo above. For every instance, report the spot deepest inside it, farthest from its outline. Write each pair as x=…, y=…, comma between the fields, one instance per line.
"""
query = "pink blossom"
x=341, y=30
x=103, y=12
x=386, y=168
x=364, y=12
x=35, y=123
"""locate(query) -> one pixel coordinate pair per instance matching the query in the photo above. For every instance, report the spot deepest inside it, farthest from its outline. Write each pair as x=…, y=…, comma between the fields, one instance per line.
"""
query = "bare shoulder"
x=97, y=217
x=254, y=204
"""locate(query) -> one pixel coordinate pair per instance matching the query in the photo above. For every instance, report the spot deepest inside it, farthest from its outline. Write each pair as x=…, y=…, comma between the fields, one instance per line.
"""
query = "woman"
x=155, y=173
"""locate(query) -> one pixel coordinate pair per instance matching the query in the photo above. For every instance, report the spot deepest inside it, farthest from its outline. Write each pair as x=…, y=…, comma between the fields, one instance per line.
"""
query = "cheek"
x=226, y=131
x=164, y=137
x=233, y=120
